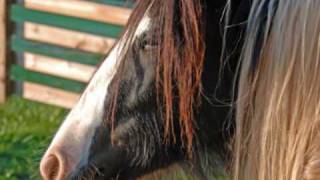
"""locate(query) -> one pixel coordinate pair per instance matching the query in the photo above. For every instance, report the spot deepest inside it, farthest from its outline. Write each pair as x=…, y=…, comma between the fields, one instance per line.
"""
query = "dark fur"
x=137, y=145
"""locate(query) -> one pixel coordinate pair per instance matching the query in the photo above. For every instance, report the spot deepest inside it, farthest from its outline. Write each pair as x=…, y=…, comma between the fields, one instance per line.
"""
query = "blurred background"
x=49, y=50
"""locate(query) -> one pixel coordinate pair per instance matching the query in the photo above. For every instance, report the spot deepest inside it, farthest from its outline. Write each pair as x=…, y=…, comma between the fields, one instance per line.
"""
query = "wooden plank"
x=48, y=95
x=20, y=74
x=82, y=9
x=121, y=3
x=3, y=50
x=21, y=45
x=58, y=67
x=68, y=38
x=20, y=14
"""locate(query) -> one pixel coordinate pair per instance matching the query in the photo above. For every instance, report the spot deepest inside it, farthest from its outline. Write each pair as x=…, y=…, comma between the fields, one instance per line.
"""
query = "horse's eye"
x=147, y=44
x=149, y=47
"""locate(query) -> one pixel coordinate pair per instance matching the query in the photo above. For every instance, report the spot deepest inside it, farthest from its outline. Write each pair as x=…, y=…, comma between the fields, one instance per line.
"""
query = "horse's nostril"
x=53, y=167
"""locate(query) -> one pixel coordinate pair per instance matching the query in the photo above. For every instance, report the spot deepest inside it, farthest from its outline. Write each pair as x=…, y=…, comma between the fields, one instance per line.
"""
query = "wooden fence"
x=60, y=43
x=3, y=49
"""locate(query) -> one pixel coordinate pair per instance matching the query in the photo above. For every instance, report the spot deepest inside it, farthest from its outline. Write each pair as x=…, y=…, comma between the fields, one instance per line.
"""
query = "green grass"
x=26, y=129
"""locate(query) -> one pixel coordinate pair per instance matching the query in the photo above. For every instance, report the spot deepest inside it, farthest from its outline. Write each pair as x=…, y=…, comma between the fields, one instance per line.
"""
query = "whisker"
x=97, y=171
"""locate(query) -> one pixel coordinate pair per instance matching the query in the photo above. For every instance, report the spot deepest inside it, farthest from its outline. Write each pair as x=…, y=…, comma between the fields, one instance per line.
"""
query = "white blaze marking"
x=76, y=133
x=143, y=26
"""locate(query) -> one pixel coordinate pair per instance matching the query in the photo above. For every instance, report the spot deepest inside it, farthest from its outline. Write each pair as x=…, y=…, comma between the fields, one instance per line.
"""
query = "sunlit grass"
x=25, y=130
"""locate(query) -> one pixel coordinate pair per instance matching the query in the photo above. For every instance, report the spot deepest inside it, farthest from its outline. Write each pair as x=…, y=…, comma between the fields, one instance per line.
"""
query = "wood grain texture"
x=3, y=50
x=82, y=9
x=20, y=74
x=120, y=3
x=58, y=67
x=21, y=45
x=68, y=38
x=21, y=14
x=49, y=95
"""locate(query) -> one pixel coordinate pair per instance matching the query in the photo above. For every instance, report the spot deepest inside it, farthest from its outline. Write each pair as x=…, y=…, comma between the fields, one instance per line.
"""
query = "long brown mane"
x=180, y=61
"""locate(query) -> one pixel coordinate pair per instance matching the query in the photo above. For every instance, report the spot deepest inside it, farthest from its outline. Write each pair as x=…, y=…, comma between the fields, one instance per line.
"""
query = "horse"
x=159, y=98
x=172, y=74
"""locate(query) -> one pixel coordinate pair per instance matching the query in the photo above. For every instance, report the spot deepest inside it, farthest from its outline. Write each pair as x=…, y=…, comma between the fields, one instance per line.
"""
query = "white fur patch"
x=75, y=135
x=79, y=127
x=143, y=26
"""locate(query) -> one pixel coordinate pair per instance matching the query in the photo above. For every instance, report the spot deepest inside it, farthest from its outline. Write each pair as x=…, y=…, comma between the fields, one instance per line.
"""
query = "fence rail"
x=61, y=43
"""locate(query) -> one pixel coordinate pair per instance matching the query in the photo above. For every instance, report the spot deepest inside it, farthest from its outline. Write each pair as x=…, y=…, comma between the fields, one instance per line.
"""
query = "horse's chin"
x=87, y=174
x=98, y=176
x=96, y=173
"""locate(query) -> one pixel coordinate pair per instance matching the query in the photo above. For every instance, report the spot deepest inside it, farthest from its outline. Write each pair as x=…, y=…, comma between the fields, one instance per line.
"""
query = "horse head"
x=154, y=100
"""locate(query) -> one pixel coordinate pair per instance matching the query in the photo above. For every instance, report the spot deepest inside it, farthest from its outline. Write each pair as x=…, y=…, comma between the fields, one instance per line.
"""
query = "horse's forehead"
x=144, y=25
x=145, y=22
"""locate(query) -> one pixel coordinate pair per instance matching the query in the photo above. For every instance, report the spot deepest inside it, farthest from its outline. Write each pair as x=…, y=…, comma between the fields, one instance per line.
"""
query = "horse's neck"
x=216, y=125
